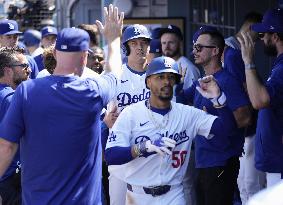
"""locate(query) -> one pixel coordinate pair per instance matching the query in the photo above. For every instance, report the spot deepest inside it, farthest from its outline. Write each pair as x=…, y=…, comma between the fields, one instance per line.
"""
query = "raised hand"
x=247, y=47
x=112, y=28
x=182, y=71
x=208, y=87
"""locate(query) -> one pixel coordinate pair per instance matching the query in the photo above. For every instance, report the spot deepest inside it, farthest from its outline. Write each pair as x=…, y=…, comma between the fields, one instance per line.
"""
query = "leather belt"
x=154, y=191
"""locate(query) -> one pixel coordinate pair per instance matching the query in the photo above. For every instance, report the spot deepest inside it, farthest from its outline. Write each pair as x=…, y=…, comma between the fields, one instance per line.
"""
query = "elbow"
x=259, y=105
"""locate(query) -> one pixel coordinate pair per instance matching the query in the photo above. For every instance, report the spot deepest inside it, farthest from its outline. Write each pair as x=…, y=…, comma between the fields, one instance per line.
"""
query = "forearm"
x=258, y=94
x=224, y=124
x=7, y=153
x=114, y=62
x=119, y=155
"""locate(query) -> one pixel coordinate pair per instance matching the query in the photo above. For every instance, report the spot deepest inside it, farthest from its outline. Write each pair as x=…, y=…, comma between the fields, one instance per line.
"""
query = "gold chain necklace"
x=165, y=119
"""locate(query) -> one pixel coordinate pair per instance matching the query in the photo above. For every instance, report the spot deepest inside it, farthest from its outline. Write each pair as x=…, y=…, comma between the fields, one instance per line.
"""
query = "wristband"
x=140, y=149
x=250, y=66
x=220, y=101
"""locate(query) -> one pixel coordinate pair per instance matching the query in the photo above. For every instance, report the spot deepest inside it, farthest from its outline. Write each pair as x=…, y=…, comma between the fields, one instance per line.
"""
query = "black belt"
x=154, y=191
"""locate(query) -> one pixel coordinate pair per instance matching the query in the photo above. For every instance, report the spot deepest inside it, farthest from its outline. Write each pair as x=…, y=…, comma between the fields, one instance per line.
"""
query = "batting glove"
x=162, y=145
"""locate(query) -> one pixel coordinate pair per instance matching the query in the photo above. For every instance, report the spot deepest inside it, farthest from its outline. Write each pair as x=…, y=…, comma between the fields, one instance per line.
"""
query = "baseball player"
x=132, y=89
x=57, y=121
x=152, y=138
x=267, y=98
x=9, y=37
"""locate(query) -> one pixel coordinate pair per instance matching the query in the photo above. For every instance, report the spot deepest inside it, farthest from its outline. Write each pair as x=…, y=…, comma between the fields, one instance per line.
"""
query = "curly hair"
x=49, y=60
x=8, y=57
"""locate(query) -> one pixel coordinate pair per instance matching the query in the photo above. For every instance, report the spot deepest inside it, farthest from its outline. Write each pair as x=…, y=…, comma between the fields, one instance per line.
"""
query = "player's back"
x=59, y=146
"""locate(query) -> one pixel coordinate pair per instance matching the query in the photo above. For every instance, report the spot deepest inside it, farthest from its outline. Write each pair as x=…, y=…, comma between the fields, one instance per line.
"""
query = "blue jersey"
x=216, y=151
x=57, y=121
x=269, y=133
x=6, y=94
x=32, y=66
x=234, y=64
x=39, y=62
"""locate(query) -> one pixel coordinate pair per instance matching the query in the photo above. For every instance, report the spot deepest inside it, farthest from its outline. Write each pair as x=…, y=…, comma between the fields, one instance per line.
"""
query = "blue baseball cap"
x=201, y=30
x=155, y=33
x=72, y=40
x=163, y=65
x=155, y=46
x=49, y=30
x=272, y=21
x=171, y=29
x=9, y=27
x=32, y=37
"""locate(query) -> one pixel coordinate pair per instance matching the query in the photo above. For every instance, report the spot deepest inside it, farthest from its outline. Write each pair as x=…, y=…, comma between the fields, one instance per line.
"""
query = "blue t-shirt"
x=39, y=61
x=57, y=121
x=269, y=133
x=216, y=151
x=6, y=95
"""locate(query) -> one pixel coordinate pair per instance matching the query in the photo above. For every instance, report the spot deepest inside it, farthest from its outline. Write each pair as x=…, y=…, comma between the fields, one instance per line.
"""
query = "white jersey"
x=136, y=123
x=192, y=72
x=132, y=88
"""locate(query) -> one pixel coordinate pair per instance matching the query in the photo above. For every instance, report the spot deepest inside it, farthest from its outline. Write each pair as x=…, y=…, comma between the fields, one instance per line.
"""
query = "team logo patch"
x=167, y=63
x=11, y=26
x=112, y=137
x=137, y=31
x=64, y=47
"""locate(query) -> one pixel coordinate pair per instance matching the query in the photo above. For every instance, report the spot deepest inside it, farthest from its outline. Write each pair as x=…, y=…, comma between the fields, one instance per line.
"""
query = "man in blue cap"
x=153, y=148
x=49, y=34
x=9, y=37
x=57, y=121
x=48, y=38
x=32, y=40
x=171, y=38
x=268, y=97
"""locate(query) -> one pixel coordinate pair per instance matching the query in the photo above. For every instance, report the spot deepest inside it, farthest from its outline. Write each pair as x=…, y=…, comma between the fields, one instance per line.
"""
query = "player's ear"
x=148, y=82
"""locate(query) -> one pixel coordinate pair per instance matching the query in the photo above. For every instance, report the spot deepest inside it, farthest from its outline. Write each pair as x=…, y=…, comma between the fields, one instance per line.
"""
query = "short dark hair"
x=280, y=35
x=49, y=60
x=92, y=31
x=8, y=56
x=216, y=39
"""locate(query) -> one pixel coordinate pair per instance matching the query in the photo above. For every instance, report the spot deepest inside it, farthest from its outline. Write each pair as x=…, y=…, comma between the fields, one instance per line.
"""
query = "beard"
x=270, y=49
x=17, y=80
x=171, y=53
x=167, y=97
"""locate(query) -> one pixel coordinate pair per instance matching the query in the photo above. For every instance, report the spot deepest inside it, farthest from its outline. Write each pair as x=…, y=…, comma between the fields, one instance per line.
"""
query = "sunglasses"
x=261, y=35
x=25, y=66
x=199, y=47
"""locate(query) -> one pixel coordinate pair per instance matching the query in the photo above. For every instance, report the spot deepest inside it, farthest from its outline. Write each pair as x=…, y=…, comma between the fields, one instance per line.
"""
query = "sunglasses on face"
x=261, y=35
x=25, y=66
x=199, y=47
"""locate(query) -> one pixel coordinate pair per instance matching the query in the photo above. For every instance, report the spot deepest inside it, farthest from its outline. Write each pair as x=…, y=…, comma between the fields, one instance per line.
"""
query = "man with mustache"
x=13, y=70
x=152, y=138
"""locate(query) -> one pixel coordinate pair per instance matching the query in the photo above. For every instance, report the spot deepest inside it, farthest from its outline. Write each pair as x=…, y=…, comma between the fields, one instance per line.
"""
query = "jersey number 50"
x=178, y=158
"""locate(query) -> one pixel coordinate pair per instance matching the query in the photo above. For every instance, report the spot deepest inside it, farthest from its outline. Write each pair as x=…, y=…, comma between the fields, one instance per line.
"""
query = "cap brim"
x=260, y=28
x=169, y=70
x=12, y=32
x=49, y=34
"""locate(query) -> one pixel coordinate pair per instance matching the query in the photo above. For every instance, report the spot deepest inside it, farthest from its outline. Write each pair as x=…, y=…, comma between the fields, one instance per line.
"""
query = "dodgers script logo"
x=125, y=99
x=180, y=137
